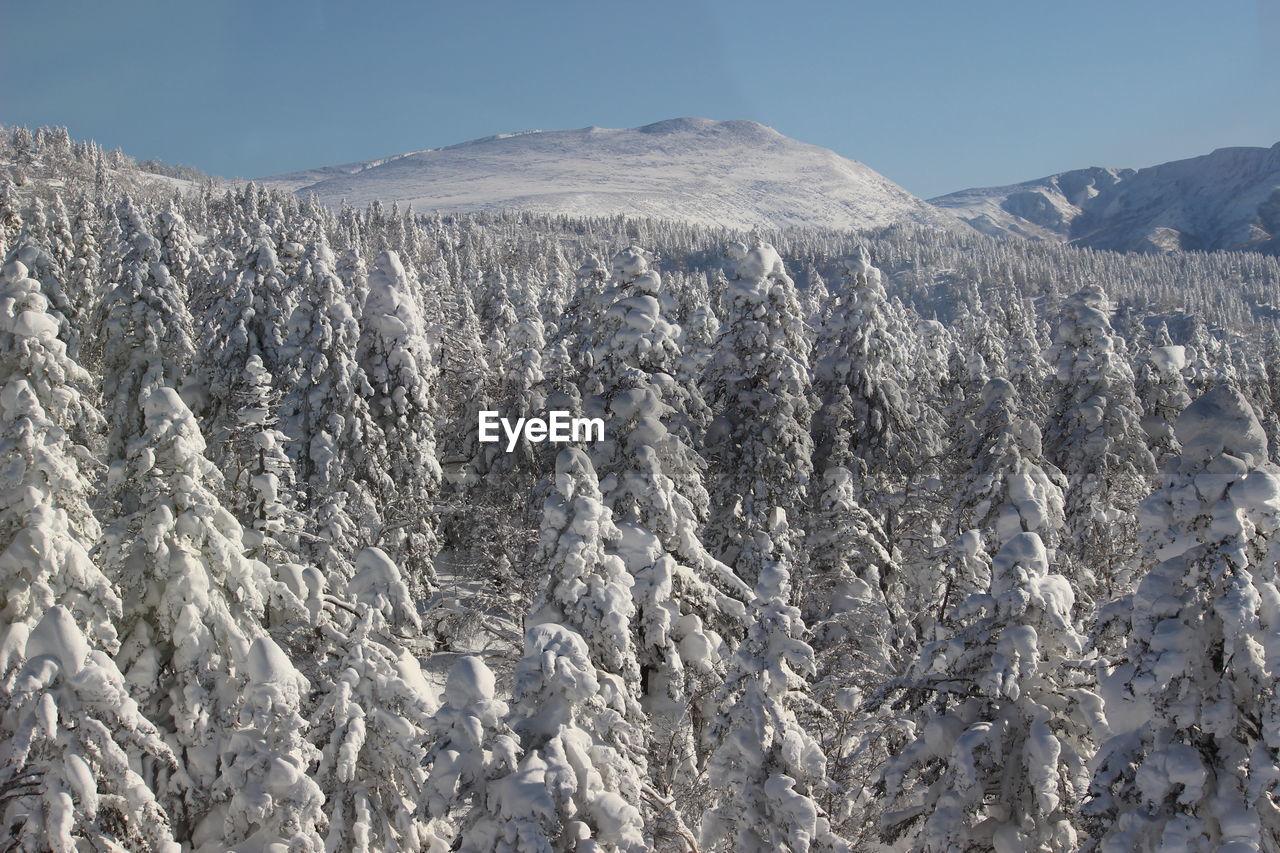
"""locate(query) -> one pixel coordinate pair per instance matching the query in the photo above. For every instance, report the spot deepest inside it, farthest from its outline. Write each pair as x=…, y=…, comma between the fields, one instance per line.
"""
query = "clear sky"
x=937, y=96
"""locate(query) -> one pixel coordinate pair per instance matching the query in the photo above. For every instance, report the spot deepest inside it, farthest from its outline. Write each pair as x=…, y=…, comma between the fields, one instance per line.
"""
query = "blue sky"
x=936, y=95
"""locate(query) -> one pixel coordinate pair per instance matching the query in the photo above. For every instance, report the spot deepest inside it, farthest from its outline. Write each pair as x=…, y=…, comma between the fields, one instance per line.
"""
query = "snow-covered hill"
x=1229, y=199
x=737, y=174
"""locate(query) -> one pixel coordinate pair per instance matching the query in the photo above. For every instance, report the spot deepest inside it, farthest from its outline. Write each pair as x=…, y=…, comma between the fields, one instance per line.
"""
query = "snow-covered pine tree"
x=1207, y=365
x=520, y=394
x=177, y=250
x=72, y=739
x=765, y=768
x=193, y=607
x=631, y=334
x=1192, y=763
x=856, y=627
x=928, y=363
x=10, y=213
x=588, y=588
x=83, y=282
x=757, y=383
x=325, y=415
x=60, y=244
x=573, y=788
x=397, y=359
x=1095, y=437
x=1011, y=498
x=373, y=713
x=354, y=273
x=844, y=601
x=47, y=484
x=260, y=479
x=262, y=494
x=816, y=293
x=868, y=401
x=697, y=337
x=851, y=565
x=37, y=353
x=245, y=321
x=471, y=747
x=686, y=600
x=35, y=226
x=1004, y=731
x=464, y=364
x=576, y=705
x=978, y=336
x=1024, y=351
x=71, y=736
x=143, y=333
x=586, y=308
x=271, y=800
x=42, y=267
x=1163, y=392
x=1010, y=488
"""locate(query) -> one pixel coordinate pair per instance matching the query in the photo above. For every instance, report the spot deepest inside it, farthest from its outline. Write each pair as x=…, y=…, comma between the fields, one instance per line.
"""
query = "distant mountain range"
x=743, y=175
x=1229, y=199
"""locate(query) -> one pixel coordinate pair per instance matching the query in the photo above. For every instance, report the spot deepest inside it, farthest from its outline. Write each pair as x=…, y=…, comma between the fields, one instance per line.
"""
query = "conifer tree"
x=686, y=600
x=10, y=213
x=143, y=334
x=845, y=603
x=83, y=282
x=1005, y=730
x=588, y=588
x=766, y=768
x=260, y=476
x=867, y=399
x=573, y=788
x=1163, y=392
x=245, y=323
x=1192, y=760
x=325, y=415
x=1094, y=436
x=472, y=747
x=41, y=266
x=272, y=801
x=1010, y=487
x=758, y=385
x=177, y=249
x=576, y=708
x=395, y=356
x=60, y=244
x=193, y=605
x=373, y=717
x=72, y=735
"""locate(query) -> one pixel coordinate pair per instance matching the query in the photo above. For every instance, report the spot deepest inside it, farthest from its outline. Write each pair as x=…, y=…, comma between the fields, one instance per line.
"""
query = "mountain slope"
x=737, y=174
x=1229, y=199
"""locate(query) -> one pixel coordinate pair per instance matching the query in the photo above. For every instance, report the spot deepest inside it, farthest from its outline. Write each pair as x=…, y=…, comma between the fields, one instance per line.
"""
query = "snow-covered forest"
x=908, y=540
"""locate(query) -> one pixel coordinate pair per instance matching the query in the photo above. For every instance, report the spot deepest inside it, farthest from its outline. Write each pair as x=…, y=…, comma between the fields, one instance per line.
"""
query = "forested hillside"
x=904, y=540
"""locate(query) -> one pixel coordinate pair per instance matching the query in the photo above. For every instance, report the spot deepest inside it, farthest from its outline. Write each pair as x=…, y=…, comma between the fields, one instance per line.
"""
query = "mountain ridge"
x=1228, y=199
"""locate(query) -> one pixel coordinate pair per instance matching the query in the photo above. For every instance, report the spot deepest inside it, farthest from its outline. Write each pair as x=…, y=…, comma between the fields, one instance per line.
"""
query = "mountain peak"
x=739, y=127
x=737, y=174
x=677, y=125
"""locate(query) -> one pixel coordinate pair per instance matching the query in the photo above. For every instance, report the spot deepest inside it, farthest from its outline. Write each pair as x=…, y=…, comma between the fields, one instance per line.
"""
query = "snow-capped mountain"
x=1229, y=199
x=737, y=174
